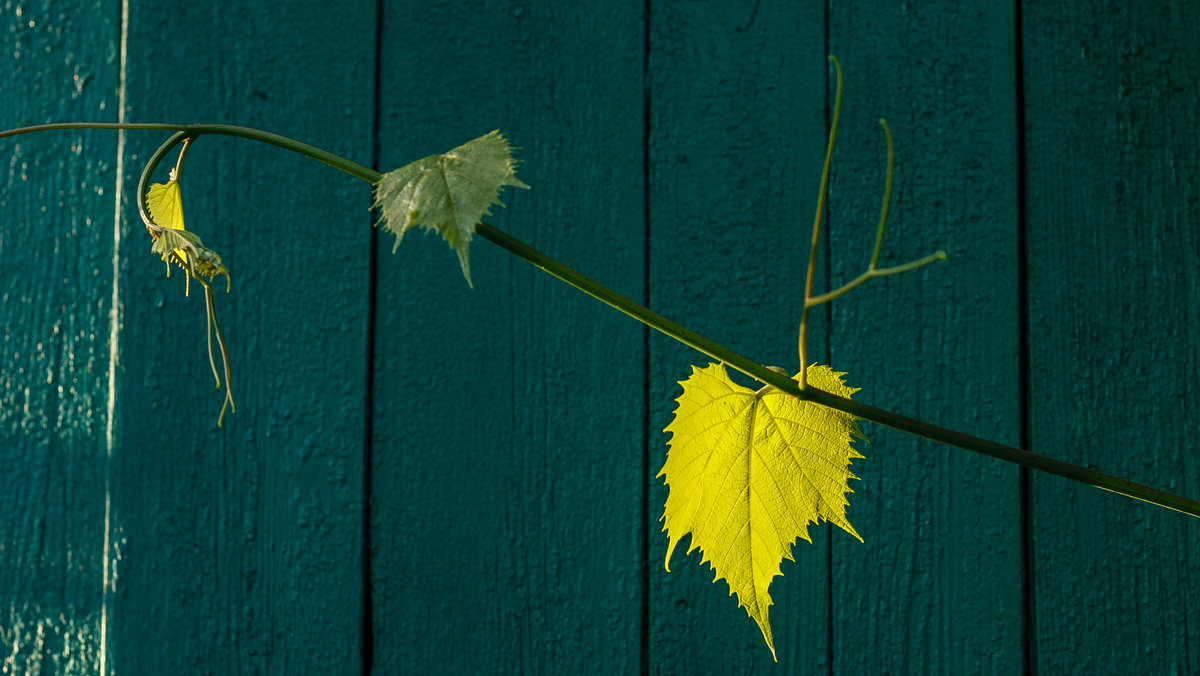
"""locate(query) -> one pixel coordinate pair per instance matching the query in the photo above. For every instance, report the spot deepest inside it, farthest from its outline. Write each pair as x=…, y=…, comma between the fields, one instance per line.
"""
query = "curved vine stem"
x=299, y=147
x=185, y=139
x=688, y=337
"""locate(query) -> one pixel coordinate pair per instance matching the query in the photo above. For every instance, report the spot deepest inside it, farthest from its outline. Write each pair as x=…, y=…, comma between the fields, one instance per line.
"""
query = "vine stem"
x=321, y=155
x=877, y=415
x=686, y=336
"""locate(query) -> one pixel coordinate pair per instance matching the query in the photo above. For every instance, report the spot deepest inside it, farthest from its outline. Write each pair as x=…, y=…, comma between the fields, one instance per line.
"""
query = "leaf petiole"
x=187, y=142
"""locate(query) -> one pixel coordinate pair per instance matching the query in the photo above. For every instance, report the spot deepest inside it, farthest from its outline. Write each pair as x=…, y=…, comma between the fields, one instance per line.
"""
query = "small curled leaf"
x=204, y=261
x=166, y=240
x=449, y=193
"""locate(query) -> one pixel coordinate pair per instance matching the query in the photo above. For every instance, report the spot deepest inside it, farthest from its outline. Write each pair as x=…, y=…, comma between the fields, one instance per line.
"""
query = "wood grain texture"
x=516, y=427
x=936, y=588
x=1114, y=263
x=737, y=136
x=56, y=213
x=240, y=547
x=507, y=474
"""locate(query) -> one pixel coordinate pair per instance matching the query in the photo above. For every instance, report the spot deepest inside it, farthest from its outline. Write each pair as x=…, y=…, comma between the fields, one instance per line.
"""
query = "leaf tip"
x=766, y=632
x=845, y=525
x=670, y=550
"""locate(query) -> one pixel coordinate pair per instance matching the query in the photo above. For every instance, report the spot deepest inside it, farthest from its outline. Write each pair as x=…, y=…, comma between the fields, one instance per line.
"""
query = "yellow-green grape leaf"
x=449, y=193
x=165, y=205
x=747, y=472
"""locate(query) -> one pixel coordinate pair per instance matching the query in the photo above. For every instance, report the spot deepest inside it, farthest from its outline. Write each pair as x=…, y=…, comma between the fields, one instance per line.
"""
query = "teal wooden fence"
x=423, y=478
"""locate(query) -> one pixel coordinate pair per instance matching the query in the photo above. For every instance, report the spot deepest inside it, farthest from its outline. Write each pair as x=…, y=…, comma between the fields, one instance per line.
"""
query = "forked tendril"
x=872, y=271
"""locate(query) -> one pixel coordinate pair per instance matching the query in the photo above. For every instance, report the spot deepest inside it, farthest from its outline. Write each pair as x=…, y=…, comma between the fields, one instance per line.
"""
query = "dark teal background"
x=422, y=478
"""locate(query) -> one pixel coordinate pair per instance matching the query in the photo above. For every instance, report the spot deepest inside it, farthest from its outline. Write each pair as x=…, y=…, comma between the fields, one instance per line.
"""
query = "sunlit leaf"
x=748, y=471
x=165, y=205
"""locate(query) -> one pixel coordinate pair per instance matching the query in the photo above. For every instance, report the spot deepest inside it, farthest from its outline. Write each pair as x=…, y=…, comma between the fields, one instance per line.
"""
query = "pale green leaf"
x=449, y=193
x=748, y=471
x=178, y=240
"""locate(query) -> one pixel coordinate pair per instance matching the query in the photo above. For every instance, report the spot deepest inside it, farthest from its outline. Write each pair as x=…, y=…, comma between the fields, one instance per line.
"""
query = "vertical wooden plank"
x=936, y=588
x=56, y=212
x=1114, y=281
x=240, y=548
x=509, y=420
x=737, y=136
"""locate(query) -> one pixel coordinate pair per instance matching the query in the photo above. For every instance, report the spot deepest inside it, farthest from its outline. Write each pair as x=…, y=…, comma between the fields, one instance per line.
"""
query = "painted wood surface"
x=1114, y=263
x=509, y=419
x=56, y=216
x=936, y=587
x=240, y=547
x=427, y=478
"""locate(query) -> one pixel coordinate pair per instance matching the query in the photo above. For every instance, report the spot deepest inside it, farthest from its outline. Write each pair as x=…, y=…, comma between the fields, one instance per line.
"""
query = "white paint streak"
x=114, y=334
